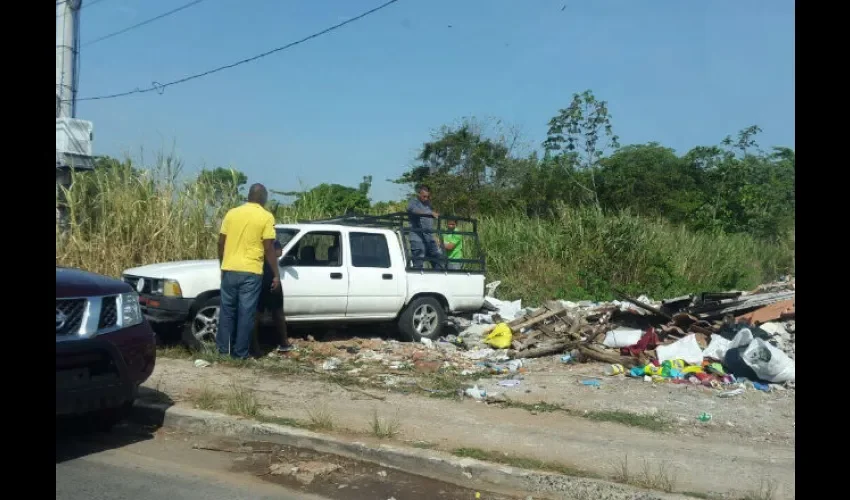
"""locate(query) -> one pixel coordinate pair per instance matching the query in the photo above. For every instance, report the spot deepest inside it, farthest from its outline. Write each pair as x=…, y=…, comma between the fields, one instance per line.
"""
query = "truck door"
x=376, y=285
x=313, y=276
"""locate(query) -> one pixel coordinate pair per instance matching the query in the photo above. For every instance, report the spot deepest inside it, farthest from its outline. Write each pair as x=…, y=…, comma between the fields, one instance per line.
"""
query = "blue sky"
x=363, y=99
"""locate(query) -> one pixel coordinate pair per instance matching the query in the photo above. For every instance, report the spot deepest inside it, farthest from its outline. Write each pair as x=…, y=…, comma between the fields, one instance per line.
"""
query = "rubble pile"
x=719, y=340
x=712, y=339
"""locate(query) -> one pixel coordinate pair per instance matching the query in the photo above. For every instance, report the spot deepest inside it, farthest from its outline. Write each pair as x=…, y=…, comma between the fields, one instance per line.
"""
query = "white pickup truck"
x=331, y=272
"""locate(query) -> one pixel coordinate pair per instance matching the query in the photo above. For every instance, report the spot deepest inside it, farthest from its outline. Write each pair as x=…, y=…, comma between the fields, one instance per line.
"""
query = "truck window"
x=369, y=250
x=284, y=236
x=317, y=249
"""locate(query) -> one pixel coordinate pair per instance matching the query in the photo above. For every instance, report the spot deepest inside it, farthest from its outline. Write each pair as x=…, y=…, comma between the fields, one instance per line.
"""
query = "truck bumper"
x=165, y=309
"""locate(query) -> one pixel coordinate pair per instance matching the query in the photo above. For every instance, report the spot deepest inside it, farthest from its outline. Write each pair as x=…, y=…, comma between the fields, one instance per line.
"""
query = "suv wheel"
x=200, y=331
x=424, y=317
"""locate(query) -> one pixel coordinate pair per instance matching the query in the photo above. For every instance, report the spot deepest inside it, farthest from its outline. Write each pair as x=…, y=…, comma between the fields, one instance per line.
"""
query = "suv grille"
x=69, y=315
x=108, y=312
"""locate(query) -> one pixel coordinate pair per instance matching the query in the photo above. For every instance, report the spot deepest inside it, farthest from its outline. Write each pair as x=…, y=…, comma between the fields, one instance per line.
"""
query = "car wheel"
x=201, y=329
x=424, y=317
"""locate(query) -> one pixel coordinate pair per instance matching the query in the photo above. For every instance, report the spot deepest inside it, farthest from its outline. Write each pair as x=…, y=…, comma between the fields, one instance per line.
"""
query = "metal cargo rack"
x=400, y=222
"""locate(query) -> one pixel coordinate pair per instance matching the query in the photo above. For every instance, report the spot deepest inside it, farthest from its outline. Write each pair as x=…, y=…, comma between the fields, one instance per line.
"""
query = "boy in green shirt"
x=454, y=245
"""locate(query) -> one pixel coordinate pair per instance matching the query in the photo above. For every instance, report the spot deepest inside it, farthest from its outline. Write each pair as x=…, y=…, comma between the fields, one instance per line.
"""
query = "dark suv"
x=105, y=348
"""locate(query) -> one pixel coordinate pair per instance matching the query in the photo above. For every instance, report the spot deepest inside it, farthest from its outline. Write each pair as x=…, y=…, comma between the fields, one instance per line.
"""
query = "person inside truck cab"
x=423, y=243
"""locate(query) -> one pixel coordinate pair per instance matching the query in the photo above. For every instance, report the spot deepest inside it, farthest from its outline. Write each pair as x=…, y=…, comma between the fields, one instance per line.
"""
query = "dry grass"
x=122, y=218
x=321, y=417
x=384, y=428
x=660, y=477
x=766, y=491
x=519, y=462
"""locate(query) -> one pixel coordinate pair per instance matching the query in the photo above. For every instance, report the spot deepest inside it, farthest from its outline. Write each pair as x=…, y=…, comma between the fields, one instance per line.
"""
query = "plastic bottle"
x=612, y=370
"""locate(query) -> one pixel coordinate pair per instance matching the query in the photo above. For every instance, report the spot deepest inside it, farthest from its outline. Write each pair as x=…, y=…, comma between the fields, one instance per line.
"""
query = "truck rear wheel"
x=200, y=331
x=424, y=317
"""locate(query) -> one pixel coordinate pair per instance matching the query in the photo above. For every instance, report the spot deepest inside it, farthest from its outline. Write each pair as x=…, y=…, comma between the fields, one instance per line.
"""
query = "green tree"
x=583, y=130
x=334, y=199
x=463, y=169
x=223, y=183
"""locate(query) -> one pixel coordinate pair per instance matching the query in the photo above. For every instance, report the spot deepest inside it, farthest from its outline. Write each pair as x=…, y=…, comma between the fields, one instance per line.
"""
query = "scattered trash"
x=331, y=364
x=202, y=363
x=509, y=383
x=612, y=370
x=591, y=382
x=500, y=337
x=704, y=417
x=622, y=337
x=729, y=394
x=476, y=393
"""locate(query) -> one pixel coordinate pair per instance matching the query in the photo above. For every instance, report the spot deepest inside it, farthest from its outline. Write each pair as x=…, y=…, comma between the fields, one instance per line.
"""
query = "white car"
x=350, y=270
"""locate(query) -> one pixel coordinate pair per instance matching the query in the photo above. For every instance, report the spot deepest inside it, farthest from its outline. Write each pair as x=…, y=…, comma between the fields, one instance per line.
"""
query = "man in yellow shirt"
x=245, y=240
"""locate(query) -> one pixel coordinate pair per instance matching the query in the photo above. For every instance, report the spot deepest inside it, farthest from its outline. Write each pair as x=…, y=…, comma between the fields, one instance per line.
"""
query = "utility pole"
x=73, y=136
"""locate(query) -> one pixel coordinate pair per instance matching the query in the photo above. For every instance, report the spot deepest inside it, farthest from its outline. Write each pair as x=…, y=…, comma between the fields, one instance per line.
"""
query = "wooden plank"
x=536, y=320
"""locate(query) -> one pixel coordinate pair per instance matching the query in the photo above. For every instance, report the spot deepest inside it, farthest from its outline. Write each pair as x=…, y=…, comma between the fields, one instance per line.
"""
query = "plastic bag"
x=717, y=348
x=769, y=363
x=500, y=337
x=686, y=349
x=622, y=337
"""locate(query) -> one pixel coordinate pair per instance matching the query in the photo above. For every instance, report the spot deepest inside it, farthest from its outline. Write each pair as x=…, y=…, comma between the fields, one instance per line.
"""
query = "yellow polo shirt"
x=245, y=228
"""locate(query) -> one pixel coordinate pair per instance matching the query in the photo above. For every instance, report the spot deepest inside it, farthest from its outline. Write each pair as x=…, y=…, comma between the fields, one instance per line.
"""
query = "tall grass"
x=120, y=218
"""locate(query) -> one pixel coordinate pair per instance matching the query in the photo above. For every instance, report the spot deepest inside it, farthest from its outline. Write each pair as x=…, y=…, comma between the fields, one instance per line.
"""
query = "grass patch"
x=383, y=428
x=658, y=476
x=766, y=491
x=520, y=462
x=321, y=418
x=206, y=399
x=121, y=216
x=541, y=407
x=173, y=352
x=648, y=422
x=242, y=402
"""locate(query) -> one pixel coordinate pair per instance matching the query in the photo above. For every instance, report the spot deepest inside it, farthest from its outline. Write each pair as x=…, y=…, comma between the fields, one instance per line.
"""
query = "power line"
x=139, y=25
x=160, y=87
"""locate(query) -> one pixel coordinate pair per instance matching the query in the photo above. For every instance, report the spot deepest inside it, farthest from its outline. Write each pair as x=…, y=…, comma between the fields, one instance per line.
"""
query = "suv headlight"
x=131, y=312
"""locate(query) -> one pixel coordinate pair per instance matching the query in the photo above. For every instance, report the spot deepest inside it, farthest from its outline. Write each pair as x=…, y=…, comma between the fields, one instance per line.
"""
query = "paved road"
x=130, y=464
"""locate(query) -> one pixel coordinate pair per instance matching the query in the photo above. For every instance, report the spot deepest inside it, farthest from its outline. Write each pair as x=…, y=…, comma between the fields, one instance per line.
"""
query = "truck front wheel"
x=201, y=329
x=424, y=317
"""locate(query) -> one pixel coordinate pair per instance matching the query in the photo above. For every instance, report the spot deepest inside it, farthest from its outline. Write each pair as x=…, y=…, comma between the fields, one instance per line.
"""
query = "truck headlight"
x=131, y=312
x=170, y=288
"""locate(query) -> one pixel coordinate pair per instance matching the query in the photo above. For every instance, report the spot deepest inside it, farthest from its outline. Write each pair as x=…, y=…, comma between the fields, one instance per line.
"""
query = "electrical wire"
x=143, y=23
x=160, y=87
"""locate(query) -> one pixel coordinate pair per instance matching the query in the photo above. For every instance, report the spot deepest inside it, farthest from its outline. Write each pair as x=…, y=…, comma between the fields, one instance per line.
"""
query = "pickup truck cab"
x=349, y=270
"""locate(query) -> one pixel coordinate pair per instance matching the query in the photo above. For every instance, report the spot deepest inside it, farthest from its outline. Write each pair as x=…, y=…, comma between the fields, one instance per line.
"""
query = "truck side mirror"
x=287, y=260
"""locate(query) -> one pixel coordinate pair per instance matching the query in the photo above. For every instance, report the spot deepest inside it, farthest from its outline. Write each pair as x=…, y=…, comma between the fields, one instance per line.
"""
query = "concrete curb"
x=464, y=472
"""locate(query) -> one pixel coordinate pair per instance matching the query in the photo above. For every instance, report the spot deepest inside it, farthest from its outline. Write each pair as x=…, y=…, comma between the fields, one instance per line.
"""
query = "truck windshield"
x=284, y=236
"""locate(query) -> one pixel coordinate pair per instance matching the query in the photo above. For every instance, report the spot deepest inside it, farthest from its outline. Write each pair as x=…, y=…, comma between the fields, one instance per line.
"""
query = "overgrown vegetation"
x=584, y=216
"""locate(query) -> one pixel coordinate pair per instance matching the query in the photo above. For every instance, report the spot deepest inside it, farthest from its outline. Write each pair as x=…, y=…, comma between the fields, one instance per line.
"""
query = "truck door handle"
x=387, y=276
x=336, y=276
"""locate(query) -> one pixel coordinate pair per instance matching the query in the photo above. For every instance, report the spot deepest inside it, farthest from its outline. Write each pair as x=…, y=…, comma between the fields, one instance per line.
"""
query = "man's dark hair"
x=423, y=187
x=257, y=193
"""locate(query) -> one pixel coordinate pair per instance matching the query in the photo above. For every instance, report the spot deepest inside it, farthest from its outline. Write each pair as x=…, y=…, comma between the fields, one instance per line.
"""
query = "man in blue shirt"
x=423, y=244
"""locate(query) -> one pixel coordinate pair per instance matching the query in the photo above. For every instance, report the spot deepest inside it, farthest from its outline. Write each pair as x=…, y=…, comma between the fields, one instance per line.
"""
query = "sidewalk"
x=702, y=462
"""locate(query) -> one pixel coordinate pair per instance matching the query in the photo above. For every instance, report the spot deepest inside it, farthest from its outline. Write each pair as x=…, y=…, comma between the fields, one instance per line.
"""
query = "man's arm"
x=411, y=207
x=269, y=236
x=222, y=238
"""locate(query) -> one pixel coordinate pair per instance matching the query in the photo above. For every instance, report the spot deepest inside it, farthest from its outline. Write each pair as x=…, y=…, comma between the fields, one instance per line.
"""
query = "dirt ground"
x=748, y=442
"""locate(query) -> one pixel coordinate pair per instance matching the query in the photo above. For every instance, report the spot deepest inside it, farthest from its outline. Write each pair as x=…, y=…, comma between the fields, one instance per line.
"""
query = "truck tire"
x=105, y=420
x=424, y=317
x=200, y=331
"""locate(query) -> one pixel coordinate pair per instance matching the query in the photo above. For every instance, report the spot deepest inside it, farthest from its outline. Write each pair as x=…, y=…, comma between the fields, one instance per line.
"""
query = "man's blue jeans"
x=422, y=247
x=239, y=295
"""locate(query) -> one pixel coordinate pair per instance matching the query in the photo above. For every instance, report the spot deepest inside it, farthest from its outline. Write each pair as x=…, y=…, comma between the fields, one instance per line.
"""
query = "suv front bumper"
x=103, y=372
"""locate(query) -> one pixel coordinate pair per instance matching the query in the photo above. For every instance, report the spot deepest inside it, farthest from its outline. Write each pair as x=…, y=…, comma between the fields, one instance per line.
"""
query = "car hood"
x=78, y=283
x=174, y=270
